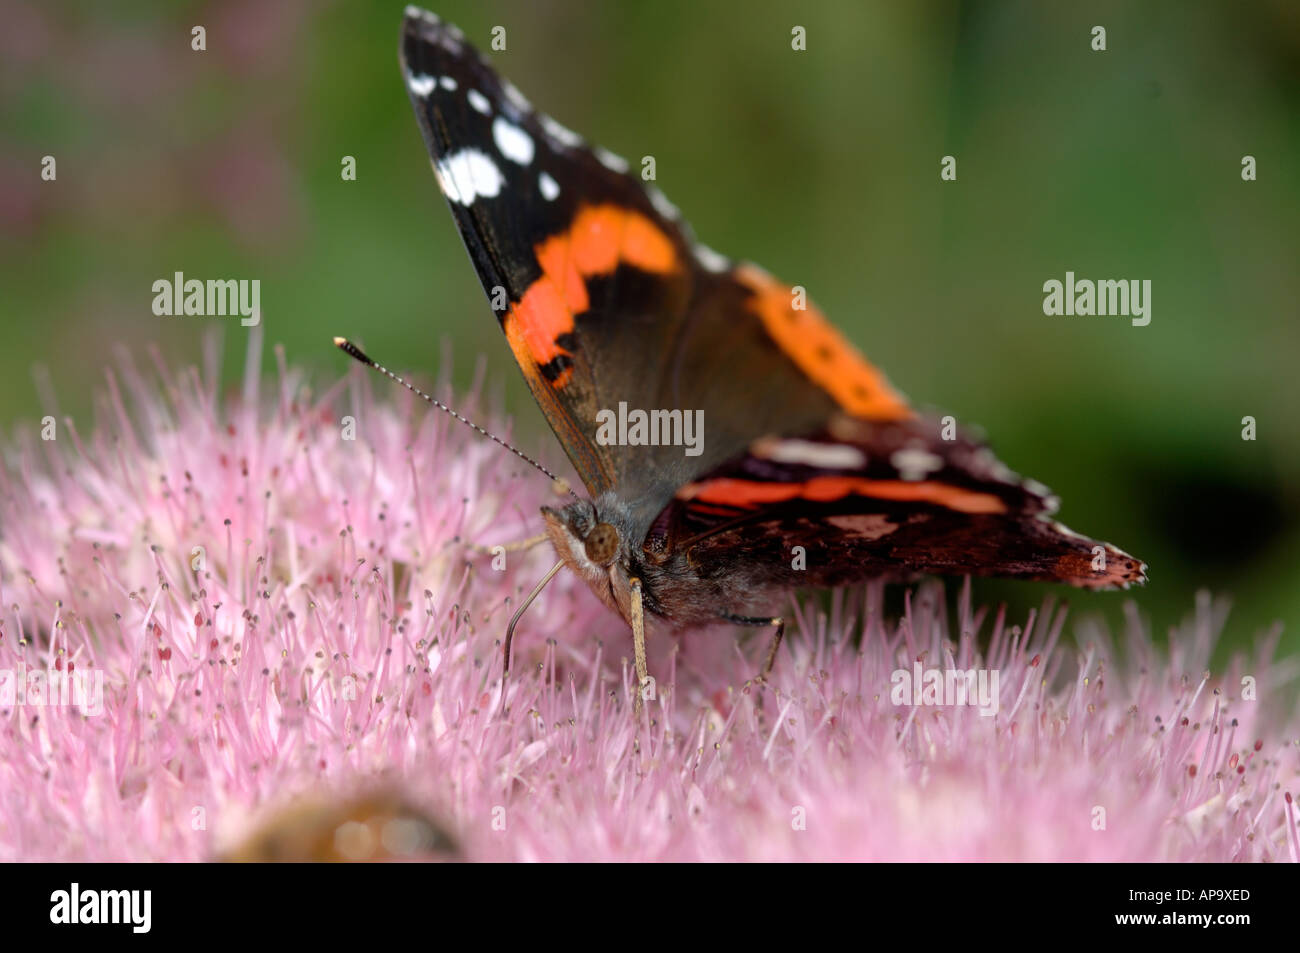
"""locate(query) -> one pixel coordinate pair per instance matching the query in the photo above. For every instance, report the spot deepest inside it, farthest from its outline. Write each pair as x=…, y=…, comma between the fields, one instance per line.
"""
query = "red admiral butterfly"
x=810, y=470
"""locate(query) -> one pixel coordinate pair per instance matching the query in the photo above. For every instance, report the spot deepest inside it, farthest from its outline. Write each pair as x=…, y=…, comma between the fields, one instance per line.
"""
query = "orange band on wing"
x=820, y=351
x=749, y=493
x=600, y=239
x=540, y=317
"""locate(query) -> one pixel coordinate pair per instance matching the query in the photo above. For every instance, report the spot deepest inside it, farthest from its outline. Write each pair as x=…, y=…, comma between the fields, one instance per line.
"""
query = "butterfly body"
x=809, y=468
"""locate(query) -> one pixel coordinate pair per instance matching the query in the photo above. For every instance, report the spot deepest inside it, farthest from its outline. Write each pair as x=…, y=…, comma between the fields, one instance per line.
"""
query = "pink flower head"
x=290, y=595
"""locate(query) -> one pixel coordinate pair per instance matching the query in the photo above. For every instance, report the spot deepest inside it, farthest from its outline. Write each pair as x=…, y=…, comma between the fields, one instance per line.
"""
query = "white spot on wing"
x=515, y=144
x=515, y=98
x=413, y=11
x=467, y=175
x=1051, y=502
x=445, y=181
x=710, y=259
x=660, y=201
x=549, y=187
x=825, y=456
x=1064, y=530
x=863, y=525
x=611, y=160
x=479, y=101
x=914, y=463
x=562, y=135
x=448, y=84
x=421, y=84
x=1036, y=488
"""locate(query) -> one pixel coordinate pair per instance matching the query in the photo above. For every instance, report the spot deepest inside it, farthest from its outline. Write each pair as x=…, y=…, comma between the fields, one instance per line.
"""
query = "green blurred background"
x=822, y=165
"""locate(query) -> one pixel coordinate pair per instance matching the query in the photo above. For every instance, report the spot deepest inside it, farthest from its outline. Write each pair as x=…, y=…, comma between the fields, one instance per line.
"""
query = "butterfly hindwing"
x=865, y=500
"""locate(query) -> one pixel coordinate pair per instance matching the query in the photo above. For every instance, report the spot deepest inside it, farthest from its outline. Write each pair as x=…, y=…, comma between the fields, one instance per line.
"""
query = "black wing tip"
x=429, y=45
x=421, y=26
x=416, y=19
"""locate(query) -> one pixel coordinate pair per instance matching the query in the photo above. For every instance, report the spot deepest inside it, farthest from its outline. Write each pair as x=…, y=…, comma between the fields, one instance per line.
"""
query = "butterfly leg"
x=776, y=637
x=638, y=644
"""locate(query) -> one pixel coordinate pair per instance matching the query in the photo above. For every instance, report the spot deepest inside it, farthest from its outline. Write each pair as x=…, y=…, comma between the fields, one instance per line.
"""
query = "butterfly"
x=733, y=444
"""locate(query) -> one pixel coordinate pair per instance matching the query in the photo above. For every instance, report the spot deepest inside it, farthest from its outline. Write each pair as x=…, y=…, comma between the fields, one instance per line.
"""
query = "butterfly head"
x=585, y=535
x=592, y=539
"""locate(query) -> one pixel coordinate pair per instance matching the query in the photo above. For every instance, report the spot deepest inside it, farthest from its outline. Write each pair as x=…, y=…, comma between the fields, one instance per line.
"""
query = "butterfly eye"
x=602, y=544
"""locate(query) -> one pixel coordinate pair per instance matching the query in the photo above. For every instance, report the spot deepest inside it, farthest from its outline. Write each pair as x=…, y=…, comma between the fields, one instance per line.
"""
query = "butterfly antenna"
x=350, y=349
